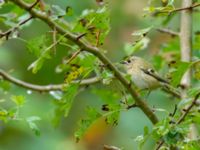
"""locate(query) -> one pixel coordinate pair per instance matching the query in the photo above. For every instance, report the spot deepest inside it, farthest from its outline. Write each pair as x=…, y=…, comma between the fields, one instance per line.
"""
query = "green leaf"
x=143, y=138
x=63, y=106
x=131, y=48
x=31, y=122
x=172, y=46
x=69, y=11
x=170, y=2
x=142, y=32
x=196, y=68
x=3, y=115
x=95, y=23
x=107, y=76
x=112, y=106
x=112, y=117
x=159, y=11
x=36, y=65
x=37, y=45
x=161, y=129
x=19, y=100
x=177, y=75
x=84, y=124
x=5, y=85
x=196, y=43
x=173, y=136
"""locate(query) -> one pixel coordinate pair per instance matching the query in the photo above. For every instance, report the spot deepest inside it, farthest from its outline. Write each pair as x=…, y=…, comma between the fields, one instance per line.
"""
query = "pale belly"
x=145, y=81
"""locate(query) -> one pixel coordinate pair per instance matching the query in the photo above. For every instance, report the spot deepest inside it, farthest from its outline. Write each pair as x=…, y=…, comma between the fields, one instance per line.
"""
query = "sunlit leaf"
x=5, y=85
x=19, y=100
x=131, y=48
x=95, y=23
x=36, y=65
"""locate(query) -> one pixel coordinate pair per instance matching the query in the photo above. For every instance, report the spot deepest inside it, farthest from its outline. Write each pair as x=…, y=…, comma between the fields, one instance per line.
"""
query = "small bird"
x=143, y=74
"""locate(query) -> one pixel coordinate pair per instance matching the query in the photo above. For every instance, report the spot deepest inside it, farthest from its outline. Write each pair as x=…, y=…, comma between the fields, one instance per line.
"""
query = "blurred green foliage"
x=123, y=29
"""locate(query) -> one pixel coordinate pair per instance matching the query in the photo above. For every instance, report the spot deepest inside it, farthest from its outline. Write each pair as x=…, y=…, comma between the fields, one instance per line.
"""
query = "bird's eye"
x=128, y=60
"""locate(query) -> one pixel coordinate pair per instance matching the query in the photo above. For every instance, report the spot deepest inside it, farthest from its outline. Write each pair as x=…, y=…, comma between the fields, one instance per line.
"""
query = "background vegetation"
x=96, y=114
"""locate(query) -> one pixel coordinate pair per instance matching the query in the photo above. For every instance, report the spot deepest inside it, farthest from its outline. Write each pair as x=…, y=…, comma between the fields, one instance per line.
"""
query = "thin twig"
x=168, y=31
x=54, y=40
x=186, y=8
x=44, y=88
x=73, y=56
x=187, y=110
x=8, y=32
x=98, y=36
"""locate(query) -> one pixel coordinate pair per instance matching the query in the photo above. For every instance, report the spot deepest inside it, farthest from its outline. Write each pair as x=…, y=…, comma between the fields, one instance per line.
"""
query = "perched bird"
x=142, y=73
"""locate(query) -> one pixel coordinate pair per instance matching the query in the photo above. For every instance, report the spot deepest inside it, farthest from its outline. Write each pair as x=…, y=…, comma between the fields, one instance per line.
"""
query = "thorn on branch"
x=131, y=106
x=34, y=4
x=174, y=112
x=80, y=36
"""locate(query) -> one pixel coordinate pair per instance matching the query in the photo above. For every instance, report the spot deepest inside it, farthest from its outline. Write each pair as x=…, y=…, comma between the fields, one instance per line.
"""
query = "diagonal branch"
x=188, y=109
x=44, y=88
x=95, y=51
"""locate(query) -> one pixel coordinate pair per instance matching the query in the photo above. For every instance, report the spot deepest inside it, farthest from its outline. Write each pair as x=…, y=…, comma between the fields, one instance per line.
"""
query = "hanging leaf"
x=64, y=105
x=142, y=32
x=31, y=122
x=139, y=45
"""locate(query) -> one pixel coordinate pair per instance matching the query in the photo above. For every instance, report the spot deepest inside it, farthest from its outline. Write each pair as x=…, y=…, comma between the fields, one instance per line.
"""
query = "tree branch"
x=186, y=50
x=94, y=50
x=44, y=88
x=168, y=31
x=186, y=40
x=191, y=6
